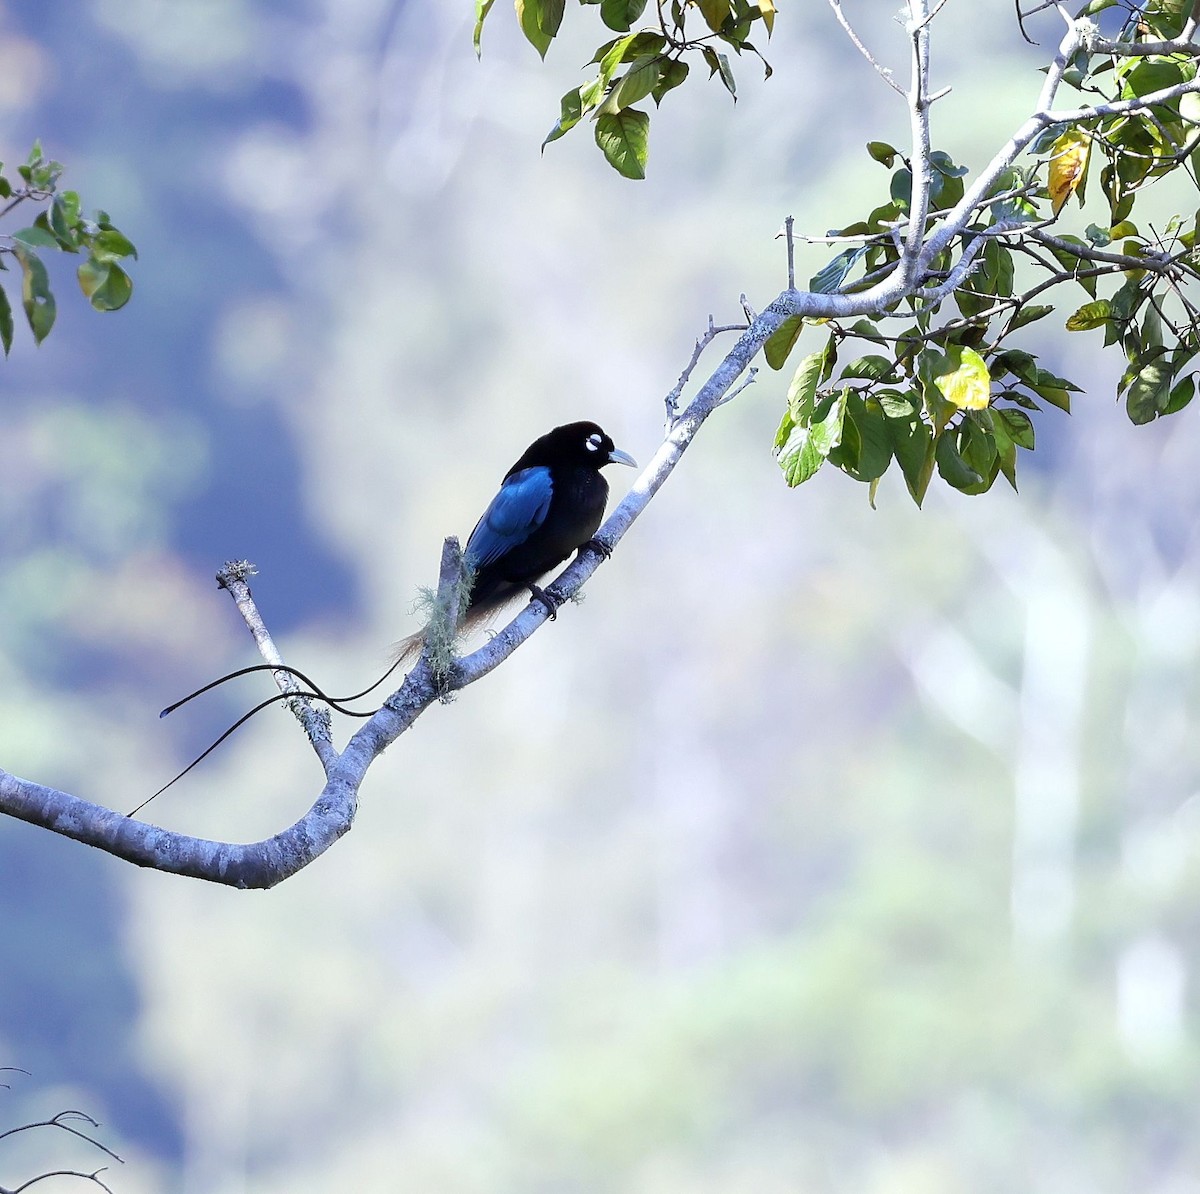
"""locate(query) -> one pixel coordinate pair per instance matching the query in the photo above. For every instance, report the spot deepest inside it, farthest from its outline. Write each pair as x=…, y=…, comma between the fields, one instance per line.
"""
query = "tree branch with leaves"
x=919, y=314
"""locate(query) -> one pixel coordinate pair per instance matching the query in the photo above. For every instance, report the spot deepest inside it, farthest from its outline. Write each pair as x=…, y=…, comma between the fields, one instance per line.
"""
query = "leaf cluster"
x=59, y=226
x=950, y=393
x=643, y=63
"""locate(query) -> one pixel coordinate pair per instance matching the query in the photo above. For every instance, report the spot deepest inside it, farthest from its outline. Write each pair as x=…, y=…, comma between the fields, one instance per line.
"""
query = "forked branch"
x=934, y=252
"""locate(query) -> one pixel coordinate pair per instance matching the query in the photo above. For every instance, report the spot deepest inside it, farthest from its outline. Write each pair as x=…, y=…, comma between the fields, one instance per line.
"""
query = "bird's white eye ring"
x=592, y=443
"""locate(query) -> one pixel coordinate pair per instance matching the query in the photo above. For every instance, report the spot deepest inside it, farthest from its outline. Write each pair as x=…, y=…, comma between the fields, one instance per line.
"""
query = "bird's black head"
x=573, y=445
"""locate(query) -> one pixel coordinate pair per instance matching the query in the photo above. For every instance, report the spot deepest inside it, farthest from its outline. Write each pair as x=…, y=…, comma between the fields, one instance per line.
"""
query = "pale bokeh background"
x=821, y=849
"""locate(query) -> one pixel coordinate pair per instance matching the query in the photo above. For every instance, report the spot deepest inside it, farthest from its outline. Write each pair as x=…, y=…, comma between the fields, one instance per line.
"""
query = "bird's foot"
x=551, y=603
x=599, y=547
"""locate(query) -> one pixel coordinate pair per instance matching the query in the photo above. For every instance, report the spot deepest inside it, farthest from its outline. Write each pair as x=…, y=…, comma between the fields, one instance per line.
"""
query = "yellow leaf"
x=967, y=383
x=767, y=8
x=1068, y=165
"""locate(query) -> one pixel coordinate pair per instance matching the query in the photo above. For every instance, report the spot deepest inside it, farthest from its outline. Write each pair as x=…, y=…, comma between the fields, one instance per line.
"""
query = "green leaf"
x=953, y=468
x=1029, y=314
x=1118, y=187
x=714, y=12
x=718, y=64
x=866, y=330
x=784, y=430
x=1045, y=380
x=621, y=14
x=1011, y=206
x=782, y=340
x=977, y=444
x=946, y=185
x=1148, y=391
x=1089, y=316
x=912, y=442
x=827, y=280
x=550, y=15
x=92, y=275
x=116, y=292
x=943, y=163
x=482, y=8
x=964, y=381
x=897, y=405
x=1072, y=262
x=1018, y=425
x=635, y=84
x=807, y=445
x=803, y=388
x=930, y=366
x=864, y=429
x=6, y=323
x=626, y=49
x=674, y=71
x=971, y=304
x=60, y=226
x=873, y=367
x=623, y=138
x=539, y=20
x=883, y=153
x=570, y=114
x=1149, y=75
x=36, y=237
x=111, y=245
x=107, y=286
x=1182, y=393
x=1017, y=396
x=1152, y=327
x=35, y=293
x=998, y=269
x=1018, y=362
x=846, y=452
x=1056, y=395
x=1126, y=300
x=1006, y=450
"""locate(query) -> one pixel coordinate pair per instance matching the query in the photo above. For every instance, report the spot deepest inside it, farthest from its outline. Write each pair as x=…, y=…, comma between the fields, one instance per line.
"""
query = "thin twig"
x=884, y=72
x=933, y=12
x=864, y=238
x=94, y=1176
x=751, y=375
x=1153, y=262
x=60, y=1121
x=316, y=722
x=711, y=333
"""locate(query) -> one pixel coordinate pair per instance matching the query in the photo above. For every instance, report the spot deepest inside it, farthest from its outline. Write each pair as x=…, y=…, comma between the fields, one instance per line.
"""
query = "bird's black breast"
x=576, y=508
x=575, y=511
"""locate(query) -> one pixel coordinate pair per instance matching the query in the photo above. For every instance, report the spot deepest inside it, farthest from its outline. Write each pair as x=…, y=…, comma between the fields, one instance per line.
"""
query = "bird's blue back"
x=514, y=514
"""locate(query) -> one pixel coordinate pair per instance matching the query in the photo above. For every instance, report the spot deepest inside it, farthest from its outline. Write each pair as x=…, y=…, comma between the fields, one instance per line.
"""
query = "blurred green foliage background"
x=821, y=849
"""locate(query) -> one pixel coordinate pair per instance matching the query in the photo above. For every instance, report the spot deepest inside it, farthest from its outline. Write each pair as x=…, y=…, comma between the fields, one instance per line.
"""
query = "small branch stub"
x=449, y=607
x=316, y=722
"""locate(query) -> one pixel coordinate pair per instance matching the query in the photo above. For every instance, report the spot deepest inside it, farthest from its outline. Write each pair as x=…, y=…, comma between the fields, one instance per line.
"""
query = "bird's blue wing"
x=515, y=513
